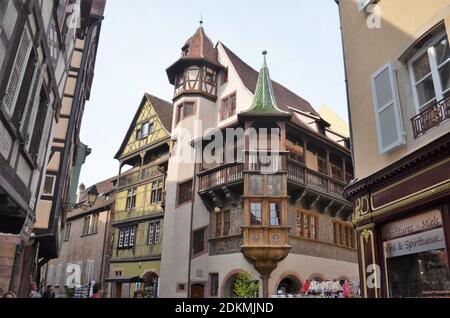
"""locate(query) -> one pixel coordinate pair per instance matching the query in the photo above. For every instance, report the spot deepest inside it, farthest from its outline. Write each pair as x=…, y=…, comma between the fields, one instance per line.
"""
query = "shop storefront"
x=416, y=257
x=402, y=220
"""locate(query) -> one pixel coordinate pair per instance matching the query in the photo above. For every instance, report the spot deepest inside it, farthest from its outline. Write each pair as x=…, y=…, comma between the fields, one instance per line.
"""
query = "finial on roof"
x=264, y=100
x=201, y=19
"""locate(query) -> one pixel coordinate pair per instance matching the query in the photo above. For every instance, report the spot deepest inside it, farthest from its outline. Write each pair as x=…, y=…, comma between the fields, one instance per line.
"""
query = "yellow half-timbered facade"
x=139, y=213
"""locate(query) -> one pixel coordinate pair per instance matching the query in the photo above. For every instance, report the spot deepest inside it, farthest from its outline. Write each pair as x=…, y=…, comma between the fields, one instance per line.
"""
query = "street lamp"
x=92, y=196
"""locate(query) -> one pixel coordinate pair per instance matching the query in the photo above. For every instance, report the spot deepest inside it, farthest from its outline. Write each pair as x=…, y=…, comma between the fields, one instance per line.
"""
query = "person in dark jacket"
x=49, y=292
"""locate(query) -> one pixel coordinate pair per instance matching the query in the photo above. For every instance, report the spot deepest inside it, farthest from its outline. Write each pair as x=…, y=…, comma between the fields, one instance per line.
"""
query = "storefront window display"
x=416, y=257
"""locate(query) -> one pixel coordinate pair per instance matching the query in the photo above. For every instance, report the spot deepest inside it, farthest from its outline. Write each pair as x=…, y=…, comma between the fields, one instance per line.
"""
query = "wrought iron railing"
x=431, y=117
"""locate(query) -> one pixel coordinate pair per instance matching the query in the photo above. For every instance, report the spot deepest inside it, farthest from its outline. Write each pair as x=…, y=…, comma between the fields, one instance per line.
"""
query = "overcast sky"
x=141, y=38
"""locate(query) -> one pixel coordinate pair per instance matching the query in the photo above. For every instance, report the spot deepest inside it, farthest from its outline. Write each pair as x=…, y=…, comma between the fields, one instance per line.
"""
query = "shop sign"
x=414, y=244
x=410, y=226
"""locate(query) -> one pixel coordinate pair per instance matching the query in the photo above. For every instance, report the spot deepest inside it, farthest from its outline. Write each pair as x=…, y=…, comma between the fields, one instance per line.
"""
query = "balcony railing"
x=431, y=117
x=139, y=175
x=298, y=173
x=266, y=164
x=221, y=176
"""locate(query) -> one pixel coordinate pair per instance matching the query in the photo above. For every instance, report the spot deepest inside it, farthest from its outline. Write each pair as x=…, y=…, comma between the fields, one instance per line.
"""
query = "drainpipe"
x=352, y=149
x=192, y=222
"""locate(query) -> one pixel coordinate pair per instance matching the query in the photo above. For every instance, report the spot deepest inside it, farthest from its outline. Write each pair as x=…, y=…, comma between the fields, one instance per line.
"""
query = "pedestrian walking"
x=98, y=291
x=49, y=292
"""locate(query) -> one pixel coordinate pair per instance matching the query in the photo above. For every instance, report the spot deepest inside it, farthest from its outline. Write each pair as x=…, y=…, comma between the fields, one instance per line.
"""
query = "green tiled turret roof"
x=264, y=100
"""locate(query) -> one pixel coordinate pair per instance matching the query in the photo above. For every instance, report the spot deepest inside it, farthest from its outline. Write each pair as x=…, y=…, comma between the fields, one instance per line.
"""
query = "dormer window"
x=185, y=51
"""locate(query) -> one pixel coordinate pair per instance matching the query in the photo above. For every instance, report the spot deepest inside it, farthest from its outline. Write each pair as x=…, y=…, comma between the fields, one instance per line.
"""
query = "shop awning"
x=125, y=279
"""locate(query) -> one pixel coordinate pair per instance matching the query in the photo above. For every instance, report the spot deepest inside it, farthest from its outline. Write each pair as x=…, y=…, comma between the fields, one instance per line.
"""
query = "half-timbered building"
x=275, y=211
x=37, y=44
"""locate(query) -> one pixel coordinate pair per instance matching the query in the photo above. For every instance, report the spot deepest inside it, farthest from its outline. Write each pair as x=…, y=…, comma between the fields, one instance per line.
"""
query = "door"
x=198, y=291
x=118, y=290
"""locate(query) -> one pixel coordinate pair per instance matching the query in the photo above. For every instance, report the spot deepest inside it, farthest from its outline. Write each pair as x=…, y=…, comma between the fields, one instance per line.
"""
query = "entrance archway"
x=150, y=285
x=228, y=288
x=290, y=285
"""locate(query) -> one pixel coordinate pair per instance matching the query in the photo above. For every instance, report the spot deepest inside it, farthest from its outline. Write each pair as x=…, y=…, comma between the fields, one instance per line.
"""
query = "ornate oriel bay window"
x=197, y=79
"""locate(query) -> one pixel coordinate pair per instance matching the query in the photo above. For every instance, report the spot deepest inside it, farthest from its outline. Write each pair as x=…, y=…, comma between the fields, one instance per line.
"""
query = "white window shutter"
x=17, y=73
x=388, y=114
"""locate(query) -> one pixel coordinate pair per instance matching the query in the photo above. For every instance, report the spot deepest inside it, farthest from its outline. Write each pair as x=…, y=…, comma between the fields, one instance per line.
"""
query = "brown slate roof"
x=163, y=109
x=104, y=187
x=285, y=98
x=201, y=47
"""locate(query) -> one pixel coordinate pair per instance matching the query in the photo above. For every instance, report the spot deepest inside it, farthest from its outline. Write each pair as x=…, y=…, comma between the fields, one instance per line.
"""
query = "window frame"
x=231, y=111
x=429, y=50
x=154, y=233
x=127, y=237
x=181, y=111
x=178, y=203
x=67, y=232
x=130, y=203
x=280, y=211
x=156, y=191
x=346, y=237
x=300, y=227
x=204, y=242
x=53, y=186
x=223, y=230
x=261, y=203
x=214, y=283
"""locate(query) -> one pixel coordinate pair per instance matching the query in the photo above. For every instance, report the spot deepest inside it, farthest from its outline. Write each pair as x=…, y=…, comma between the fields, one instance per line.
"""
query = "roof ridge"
x=160, y=99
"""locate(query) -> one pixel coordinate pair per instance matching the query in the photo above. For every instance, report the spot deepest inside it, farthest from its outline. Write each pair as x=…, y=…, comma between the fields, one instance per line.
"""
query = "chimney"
x=81, y=192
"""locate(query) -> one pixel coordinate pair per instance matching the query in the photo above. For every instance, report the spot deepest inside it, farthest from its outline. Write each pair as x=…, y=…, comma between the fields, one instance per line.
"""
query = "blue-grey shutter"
x=388, y=114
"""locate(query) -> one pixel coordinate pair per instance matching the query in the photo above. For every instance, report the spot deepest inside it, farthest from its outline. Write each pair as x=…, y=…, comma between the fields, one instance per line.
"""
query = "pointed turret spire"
x=264, y=100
